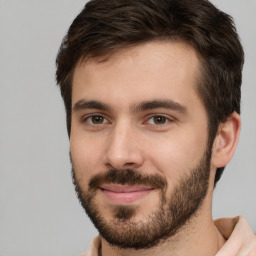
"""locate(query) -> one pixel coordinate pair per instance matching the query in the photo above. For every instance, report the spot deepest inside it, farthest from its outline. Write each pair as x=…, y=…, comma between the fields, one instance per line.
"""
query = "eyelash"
x=86, y=118
x=166, y=119
x=105, y=121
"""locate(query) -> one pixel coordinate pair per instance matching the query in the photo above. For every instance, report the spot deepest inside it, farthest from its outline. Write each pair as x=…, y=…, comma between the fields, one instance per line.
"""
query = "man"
x=152, y=95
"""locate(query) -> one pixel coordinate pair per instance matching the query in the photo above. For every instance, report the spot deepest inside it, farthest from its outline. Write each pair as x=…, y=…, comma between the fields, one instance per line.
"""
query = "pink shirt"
x=240, y=238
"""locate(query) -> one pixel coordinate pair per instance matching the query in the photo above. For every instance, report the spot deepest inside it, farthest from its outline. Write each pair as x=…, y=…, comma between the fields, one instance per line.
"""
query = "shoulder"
x=94, y=247
x=239, y=236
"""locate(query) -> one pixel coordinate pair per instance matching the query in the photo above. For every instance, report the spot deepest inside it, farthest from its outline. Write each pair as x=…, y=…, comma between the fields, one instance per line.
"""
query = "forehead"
x=154, y=69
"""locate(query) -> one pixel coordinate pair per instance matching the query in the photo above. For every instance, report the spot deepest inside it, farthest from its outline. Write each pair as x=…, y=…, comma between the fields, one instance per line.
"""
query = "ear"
x=226, y=141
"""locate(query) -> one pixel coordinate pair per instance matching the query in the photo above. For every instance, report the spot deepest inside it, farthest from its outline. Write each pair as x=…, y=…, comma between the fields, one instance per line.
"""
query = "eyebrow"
x=142, y=106
x=162, y=103
x=89, y=104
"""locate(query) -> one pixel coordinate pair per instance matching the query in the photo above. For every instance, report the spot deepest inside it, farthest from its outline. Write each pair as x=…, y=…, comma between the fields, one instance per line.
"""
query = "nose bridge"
x=123, y=151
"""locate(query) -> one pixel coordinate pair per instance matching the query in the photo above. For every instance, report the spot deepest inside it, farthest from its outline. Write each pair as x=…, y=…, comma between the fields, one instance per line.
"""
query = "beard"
x=173, y=212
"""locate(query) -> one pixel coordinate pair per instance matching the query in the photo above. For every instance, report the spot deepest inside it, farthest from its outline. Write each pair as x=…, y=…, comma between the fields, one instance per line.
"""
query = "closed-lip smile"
x=125, y=193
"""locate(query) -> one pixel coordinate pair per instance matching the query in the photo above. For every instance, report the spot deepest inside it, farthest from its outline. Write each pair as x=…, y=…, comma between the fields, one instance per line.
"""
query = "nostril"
x=120, y=166
x=129, y=164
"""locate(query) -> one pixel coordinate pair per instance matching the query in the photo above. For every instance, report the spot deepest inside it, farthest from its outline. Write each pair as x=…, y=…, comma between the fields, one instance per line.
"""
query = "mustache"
x=127, y=177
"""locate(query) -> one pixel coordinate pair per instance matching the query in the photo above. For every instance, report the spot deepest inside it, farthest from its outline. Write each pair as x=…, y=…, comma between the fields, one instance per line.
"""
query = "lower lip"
x=126, y=197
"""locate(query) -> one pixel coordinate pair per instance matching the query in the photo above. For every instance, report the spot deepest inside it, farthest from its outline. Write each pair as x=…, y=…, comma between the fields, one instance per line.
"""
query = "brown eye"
x=159, y=119
x=97, y=119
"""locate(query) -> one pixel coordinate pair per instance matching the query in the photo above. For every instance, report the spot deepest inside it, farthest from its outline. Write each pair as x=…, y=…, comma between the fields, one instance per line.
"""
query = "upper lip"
x=116, y=188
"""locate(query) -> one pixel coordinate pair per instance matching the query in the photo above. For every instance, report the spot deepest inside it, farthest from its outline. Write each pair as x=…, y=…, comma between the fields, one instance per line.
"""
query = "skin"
x=129, y=137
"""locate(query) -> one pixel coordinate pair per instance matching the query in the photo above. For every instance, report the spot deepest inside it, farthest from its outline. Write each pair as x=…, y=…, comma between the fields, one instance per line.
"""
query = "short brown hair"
x=105, y=26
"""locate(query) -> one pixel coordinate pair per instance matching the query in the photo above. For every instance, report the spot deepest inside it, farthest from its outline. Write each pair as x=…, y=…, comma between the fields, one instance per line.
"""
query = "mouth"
x=123, y=194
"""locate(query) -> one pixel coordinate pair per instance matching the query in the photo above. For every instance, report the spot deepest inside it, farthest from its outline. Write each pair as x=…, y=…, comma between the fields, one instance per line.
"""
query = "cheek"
x=176, y=155
x=85, y=157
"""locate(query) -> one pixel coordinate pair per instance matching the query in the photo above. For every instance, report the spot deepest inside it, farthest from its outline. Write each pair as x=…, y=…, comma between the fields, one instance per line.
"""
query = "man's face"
x=139, y=142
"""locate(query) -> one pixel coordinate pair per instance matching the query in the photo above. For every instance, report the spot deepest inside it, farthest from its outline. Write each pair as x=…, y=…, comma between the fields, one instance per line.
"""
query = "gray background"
x=39, y=212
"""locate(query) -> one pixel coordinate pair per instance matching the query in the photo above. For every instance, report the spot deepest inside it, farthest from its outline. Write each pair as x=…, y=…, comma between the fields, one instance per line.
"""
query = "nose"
x=123, y=149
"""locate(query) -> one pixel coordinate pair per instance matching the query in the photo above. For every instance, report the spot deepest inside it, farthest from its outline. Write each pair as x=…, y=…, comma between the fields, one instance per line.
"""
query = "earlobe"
x=226, y=141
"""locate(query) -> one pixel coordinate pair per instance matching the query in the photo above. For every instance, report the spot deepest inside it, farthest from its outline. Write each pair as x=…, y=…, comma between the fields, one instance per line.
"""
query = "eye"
x=158, y=120
x=95, y=120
